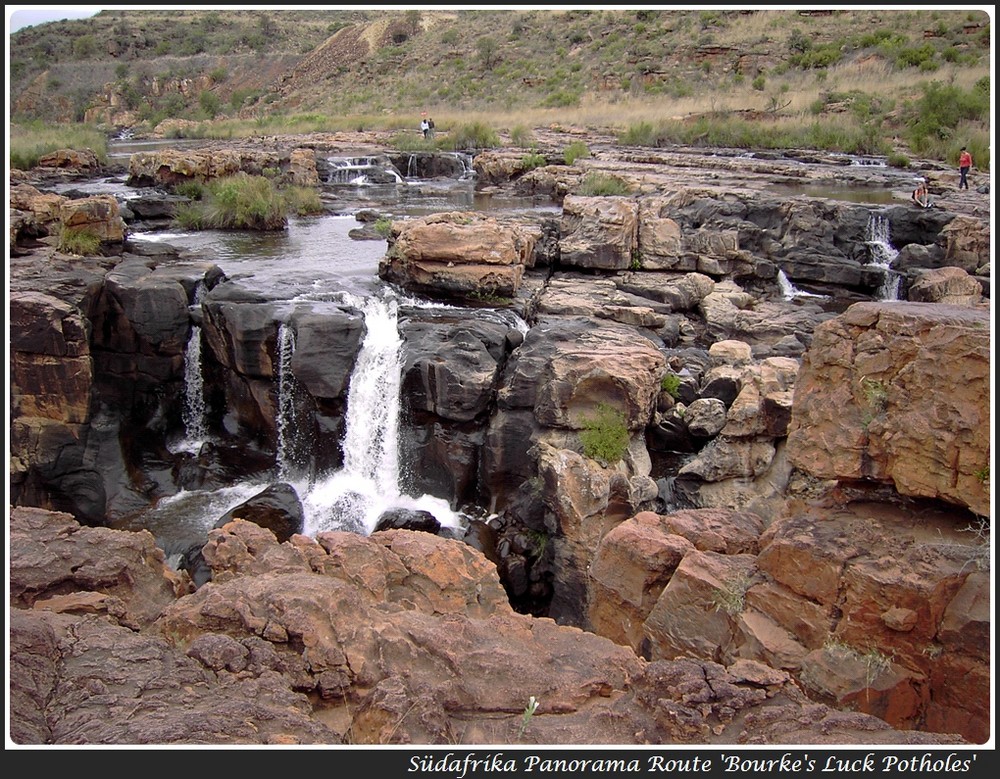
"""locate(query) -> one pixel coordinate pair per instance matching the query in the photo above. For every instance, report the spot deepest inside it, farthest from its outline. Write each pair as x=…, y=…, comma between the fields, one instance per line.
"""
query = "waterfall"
x=882, y=253
x=361, y=170
x=368, y=483
x=285, y=416
x=789, y=291
x=372, y=427
x=411, y=166
x=193, y=413
x=468, y=170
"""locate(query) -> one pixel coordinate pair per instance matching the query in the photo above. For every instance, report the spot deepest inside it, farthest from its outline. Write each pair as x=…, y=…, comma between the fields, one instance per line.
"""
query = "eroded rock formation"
x=397, y=638
x=788, y=511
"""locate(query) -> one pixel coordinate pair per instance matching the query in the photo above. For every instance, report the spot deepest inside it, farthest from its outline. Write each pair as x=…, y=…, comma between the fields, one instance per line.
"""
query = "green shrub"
x=944, y=110
x=562, y=98
x=475, y=135
x=237, y=202
x=671, y=384
x=189, y=216
x=575, y=151
x=79, y=241
x=240, y=96
x=209, y=102
x=605, y=436
x=897, y=160
x=191, y=189
x=383, y=226
x=302, y=201
x=596, y=184
x=521, y=136
x=641, y=134
x=914, y=56
x=532, y=161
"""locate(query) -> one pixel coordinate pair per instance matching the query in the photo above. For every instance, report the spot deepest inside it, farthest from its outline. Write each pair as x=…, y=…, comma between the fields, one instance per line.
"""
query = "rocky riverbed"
x=793, y=546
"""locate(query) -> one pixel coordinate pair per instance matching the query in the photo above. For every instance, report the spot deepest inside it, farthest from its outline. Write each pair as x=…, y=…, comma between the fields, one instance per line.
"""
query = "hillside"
x=131, y=68
x=373, y=62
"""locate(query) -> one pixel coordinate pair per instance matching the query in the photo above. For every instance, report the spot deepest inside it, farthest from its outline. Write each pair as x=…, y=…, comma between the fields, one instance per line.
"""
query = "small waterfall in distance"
x=194, y=409
x=193, y=414
x=882, y=254
x=789, y=291
x=286, y=454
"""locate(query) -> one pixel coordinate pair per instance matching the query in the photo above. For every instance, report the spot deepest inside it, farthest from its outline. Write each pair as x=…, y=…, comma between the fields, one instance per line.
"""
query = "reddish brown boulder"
x=83, y=160
x=122, y=574
x=873, y=401
x=457, y=254
x=98, y=214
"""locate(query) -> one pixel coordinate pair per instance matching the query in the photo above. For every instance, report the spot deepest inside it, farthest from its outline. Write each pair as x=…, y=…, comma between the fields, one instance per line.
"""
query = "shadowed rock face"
x=370, y=629
x=276, y=508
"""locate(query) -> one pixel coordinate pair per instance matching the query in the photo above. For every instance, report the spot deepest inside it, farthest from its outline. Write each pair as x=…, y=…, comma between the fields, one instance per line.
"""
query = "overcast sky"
x=19, y=16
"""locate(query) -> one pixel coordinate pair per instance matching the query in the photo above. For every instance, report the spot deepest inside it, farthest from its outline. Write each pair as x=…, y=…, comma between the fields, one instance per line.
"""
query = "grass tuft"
x=605, y=435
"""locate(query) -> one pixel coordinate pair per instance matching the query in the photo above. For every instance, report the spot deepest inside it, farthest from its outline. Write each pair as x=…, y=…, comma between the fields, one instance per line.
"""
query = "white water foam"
x=882, y=254
x=367, y=485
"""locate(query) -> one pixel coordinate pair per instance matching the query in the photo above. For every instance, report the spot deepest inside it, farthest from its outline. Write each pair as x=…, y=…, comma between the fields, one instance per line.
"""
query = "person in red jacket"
x=964, y=163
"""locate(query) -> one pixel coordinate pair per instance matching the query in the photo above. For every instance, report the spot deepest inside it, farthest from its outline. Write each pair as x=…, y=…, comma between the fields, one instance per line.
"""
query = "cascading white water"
x=368, y=483
x=194, y=409
x=285, y=416
x=789, y=291
x=193, y=414
x=468, y=170
x=371, y=438
x=882, y=253
x=360, y=170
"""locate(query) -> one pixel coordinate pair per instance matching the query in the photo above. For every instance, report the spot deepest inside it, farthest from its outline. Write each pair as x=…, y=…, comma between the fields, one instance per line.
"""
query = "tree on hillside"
x=489, y=52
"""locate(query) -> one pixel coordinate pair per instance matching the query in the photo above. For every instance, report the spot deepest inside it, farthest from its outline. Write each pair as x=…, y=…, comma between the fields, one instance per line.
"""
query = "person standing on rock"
x=964, y=163
x=425, y=127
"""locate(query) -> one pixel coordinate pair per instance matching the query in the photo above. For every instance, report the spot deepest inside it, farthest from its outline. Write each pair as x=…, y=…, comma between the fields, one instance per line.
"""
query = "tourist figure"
x=920, y=195
x=425, y=127
x=964, y=163
x=430, y=127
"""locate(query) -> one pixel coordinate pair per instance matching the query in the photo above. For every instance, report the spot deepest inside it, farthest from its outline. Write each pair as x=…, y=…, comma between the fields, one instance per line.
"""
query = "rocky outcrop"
x=398, y=638
x=58, y=566
x=598, y=232
x=450, y=373
x=81, y=160
x=52, y=390
x=37, y=214
x=456, y=255
x=691, y=347
x=856, y=604
x=874, y=401
x=169, y=167
x=952, y=286
x=37, y=210
x=98, y=215
x=242, y=333
x=555, y=386
x=276, y=508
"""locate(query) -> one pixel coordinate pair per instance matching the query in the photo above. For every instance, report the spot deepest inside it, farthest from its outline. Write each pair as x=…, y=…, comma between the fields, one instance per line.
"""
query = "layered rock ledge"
x=397, y=638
